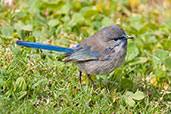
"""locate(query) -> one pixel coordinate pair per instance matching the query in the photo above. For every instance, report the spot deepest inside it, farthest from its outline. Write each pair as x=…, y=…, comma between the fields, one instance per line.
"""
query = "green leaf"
x=20, y=14
x=129, y=93
x=139, y=60
x=162, y=54
x=166, y=43
x=78, y=18
x=21, y=94
x=76, y=4
x=53, y=22
x=53, y=5
x=20, y=83
x=130, y=101
x=18, y=26
x=167, y=62
x=63, y=41
x=138, y=95
x=38, y=83
x=7, y=31
x=1, y=82
x=64, y=10
x=37, y=34
x=89, y=13
x=125, y=83
x=132, y=51
x=1, y=41
x=27, y=27
x=84, y=9
x=106, y=22
x=21, y=34
x=101, y=76
x=16, y=51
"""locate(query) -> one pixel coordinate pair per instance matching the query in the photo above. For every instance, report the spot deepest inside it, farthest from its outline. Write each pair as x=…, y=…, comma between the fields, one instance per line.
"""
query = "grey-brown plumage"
x=100, y=53
x=107, y=62
x=110, y=46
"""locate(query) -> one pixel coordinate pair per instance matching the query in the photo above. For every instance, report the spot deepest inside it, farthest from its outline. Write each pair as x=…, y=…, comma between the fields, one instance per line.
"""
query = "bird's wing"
x=82, y=54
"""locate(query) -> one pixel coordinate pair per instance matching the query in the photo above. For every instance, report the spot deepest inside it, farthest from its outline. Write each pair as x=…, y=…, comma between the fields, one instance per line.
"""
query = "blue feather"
x=45, y=46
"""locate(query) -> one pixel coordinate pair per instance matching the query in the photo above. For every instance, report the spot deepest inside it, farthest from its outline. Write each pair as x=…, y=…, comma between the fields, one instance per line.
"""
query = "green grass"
x=37, y=81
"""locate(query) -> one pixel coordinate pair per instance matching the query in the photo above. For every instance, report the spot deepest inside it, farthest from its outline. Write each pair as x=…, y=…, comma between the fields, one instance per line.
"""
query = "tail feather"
x=44, y=46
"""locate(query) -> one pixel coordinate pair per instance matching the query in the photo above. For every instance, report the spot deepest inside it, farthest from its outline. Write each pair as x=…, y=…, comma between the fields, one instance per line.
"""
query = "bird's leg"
x=92, y=81
x=80, y=77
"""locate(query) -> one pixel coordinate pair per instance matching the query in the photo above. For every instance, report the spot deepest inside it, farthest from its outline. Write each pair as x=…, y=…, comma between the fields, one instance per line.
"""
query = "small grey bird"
x=100, y=53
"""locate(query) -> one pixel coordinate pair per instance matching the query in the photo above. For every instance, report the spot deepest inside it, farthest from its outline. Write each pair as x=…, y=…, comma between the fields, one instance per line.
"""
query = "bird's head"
x=115, y=32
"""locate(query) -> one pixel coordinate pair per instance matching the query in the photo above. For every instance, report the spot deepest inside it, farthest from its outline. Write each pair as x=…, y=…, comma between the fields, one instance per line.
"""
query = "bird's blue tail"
x=44, y=46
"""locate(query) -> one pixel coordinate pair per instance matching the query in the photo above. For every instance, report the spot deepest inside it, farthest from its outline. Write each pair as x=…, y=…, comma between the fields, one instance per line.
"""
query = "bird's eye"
x=119, y=37
x=115, y=39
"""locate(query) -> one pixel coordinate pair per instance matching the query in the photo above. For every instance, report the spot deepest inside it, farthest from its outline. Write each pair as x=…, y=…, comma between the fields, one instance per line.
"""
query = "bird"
x=98, y=54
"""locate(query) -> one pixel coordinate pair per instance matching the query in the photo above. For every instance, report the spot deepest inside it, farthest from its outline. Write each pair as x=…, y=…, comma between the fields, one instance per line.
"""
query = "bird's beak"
x=128, y=37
